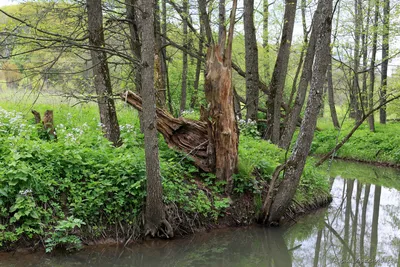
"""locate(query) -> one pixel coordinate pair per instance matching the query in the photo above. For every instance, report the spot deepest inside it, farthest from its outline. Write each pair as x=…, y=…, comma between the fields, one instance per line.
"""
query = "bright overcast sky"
x=6, y=2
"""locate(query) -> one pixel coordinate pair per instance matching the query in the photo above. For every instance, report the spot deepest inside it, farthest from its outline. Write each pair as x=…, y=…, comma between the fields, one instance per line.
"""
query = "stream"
x=361, y=227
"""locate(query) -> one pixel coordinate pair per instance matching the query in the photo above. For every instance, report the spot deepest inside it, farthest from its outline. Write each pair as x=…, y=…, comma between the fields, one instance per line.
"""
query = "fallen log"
x=185, y=135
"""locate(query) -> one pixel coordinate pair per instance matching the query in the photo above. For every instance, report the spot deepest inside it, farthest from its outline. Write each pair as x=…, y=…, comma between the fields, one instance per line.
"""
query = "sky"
x=6, y=2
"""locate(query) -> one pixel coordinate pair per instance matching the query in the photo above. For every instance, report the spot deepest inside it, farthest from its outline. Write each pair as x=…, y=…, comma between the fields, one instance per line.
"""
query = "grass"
x=379, y=146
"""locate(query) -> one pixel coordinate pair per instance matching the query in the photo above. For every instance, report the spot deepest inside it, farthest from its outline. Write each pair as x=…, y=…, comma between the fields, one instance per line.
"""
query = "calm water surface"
x=360, y=228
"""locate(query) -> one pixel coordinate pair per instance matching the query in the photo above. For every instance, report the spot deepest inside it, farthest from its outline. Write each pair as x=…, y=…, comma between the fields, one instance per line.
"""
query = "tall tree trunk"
x=266, y=38
x=223, y=146
x=252, y=75
x=204, y=18
x=164, y=65
x=221, y=23
x=295, y=164
x=305, y=78
x=303, y=50
x=331, y=96
x=184, y=58
x=135, y=42
x=160, y=65
x=355, y=90
x=371, y=120
x=155, y=213
x=193, y=100
x=102, y=81
x=364, y=49
x=277, y=83
x=385, y=63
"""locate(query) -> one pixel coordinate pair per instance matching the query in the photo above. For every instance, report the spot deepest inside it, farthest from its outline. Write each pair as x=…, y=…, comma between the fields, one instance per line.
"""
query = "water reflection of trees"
x=354, y=232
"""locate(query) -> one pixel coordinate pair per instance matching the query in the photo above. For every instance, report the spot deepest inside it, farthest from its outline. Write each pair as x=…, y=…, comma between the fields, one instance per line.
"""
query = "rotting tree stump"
x=188, y=136
x=213, y=141
x=48, y=131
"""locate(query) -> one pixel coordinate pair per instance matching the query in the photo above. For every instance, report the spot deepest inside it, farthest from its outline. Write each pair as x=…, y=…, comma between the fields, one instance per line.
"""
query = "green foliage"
x=378, y=146
x=61, y=235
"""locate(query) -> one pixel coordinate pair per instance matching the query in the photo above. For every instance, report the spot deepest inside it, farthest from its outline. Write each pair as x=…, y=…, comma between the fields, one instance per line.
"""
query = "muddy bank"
x=242, y=212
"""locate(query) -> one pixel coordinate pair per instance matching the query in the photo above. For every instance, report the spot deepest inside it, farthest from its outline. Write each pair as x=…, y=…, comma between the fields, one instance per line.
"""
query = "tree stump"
x=47, y=131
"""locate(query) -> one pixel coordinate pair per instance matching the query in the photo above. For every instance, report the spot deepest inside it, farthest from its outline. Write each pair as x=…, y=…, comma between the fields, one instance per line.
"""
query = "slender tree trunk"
x=252, y=75
x=221, y=23
x=265, y=39
x=277, y=83
x=155, y=213
x=364, y=49
x=135, y=42
x=303, y=51
x=305, y=78
x=385, y=63
x=164, y=65
x=102, y=81
x=159, y=60
x=295, y=164
x=206, y=21
x=331, y=96
x=371, y=120
x=355, y=90
x=193, y=100
x=184, y=58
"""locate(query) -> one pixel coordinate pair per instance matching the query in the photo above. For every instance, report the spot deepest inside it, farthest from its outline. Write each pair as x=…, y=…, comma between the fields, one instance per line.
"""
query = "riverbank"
x=379, y=148
x=79, y=189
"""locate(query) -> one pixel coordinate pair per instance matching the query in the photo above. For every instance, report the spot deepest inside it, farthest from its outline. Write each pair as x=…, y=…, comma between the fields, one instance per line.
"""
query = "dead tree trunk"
x=213, y=141
x=48, y=131
x=222, y=126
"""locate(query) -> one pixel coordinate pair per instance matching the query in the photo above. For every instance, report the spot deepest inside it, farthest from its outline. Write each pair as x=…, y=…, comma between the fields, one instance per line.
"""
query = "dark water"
x=360, y=228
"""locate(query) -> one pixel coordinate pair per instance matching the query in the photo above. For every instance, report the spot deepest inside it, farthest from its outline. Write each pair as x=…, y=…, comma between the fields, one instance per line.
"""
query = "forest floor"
x=379, y=148
x=78, y=189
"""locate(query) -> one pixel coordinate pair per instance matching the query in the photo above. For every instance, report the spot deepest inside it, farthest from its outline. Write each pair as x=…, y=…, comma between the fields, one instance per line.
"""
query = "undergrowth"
x=379, y=146
x=79, y=185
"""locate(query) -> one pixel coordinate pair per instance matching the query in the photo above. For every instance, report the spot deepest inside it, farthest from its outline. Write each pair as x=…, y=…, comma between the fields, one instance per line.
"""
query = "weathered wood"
x=38, y=119
x=188, y=136
x=48, y=131
x=48, y=124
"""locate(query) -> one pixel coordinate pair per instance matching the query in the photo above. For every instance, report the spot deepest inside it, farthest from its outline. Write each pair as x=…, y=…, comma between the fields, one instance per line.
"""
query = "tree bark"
x=252, y=75
x=206, y=21
x=154, y=213
x=102, y=81
x=355, y=89
x=266, y=38
x=160, y=64
x=331, y=96
x=371, y=119
x=305, y=78
x=295, y=164
x=184, y=58
x=277, y=83
x=164, y=66
x=193, y=100
x=221, y=23
x=219, y=95
x=385, y=58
